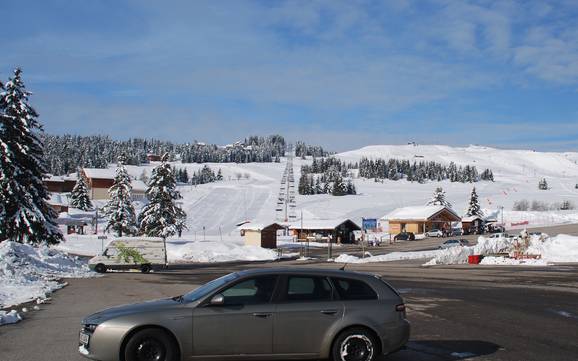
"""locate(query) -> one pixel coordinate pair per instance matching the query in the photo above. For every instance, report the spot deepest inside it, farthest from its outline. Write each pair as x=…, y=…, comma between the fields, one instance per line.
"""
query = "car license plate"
x=84, y=338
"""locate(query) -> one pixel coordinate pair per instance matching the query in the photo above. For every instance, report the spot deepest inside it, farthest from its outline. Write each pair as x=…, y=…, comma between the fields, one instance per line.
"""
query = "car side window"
x=252, y=291
x=349, y=289
x=306, y=289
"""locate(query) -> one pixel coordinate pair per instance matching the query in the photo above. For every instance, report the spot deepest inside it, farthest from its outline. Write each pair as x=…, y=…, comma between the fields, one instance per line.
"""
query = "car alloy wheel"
x=150, y=350
x=151, y=344
x=356, y=348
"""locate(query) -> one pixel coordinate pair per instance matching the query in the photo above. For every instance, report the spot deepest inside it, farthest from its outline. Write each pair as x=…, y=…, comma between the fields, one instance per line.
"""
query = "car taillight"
x=400, y=307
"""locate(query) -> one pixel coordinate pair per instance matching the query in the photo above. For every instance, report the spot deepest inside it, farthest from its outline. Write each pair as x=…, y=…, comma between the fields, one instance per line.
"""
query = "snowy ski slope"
x=219, y=206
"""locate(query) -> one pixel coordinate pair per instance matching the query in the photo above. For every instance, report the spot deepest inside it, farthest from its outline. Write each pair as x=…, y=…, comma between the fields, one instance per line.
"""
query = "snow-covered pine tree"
x=439, y=198
x=351, y=187
x=474, y=205
x=79, y=196
x=161, y=217
x=339, y=188
x=26, y=215
x=219, y=175
x=119, y=209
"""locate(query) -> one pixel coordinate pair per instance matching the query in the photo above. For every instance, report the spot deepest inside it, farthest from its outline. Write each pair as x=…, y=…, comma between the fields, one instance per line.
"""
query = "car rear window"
x=349, y=289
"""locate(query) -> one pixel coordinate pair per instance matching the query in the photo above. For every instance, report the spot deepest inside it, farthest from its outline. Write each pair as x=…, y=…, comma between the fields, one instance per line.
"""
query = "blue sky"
x=338, y=73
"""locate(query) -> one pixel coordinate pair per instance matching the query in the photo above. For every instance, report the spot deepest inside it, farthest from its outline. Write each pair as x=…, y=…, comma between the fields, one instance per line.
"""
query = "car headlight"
x=90, y=327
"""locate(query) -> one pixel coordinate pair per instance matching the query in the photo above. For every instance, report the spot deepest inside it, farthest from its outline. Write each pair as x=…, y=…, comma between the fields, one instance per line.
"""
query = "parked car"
x=457, y=232
x=434, y=233
x=405, y=236
x=257, y=314
x=501, y=235
x=142, y=253
x=453, y=243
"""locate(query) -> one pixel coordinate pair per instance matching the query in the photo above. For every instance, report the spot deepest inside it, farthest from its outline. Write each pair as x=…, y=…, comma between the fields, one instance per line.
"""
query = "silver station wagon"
x=257, y=314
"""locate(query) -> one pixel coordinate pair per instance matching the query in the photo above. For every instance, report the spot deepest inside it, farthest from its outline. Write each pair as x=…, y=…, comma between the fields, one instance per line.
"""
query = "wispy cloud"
x=388, y=68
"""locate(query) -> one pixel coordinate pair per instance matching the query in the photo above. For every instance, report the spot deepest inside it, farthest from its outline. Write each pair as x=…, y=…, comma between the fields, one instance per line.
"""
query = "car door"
x=242, y=325
x=306, y=310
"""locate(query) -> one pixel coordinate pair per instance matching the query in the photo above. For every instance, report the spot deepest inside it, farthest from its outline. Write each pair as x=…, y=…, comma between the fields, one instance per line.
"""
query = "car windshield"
x=209, y=287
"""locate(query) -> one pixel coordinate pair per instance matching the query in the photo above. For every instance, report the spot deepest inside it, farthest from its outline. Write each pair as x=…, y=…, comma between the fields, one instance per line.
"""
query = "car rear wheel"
x=100, y=268
x=150, y=345
x=145, y=268
x=356, y=344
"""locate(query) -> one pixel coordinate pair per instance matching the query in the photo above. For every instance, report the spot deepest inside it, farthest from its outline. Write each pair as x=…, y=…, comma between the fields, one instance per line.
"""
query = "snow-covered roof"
x=60, y=178
x=471, y=218
x=100, y=173
x=323, y=224
x=138, y=185
x=416, y=213
x=58, y=199
x=256, y=226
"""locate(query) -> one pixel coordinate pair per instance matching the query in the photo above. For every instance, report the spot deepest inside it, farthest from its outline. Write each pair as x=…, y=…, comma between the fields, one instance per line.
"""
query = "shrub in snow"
x=543, y=184
x=522, y=205
x=25, y=215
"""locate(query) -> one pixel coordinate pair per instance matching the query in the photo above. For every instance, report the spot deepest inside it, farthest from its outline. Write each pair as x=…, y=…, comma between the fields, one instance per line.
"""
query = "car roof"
x=304, y=271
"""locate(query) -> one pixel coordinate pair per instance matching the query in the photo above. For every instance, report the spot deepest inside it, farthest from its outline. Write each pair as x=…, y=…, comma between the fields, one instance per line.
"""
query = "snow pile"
x=393, y=256
x=503, y=261
x=9, y=317
x=458, y=255
x=214, y=251
x=562, y=248
x=28, y=273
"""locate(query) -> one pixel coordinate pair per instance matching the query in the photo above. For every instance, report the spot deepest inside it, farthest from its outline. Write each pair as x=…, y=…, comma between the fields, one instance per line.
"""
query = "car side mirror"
x=217, y=300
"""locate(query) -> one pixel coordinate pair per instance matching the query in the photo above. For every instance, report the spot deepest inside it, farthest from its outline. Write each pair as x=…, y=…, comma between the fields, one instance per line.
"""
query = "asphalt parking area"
x=457, y=312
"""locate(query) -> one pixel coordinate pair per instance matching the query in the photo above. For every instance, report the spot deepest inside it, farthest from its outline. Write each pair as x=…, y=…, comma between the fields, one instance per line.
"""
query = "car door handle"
x=261, y=314
x=329, y=312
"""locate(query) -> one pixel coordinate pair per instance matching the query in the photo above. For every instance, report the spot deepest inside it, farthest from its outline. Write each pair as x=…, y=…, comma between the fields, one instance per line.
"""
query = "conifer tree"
x=339, y=189
x=79, y=196
x=474, y=205
x=25, y=215
x=439, y=199
x=161, y=217
x=119, y=209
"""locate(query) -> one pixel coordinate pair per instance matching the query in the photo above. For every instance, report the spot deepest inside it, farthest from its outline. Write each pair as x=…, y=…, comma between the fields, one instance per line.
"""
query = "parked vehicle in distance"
x=500, y=235
x=457, y=232
x=143, y=253
x=404, y=236
x=434, y=233
x=278, y=313
x=454, y=242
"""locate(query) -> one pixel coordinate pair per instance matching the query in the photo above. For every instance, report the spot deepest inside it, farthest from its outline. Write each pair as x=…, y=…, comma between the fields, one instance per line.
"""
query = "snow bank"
x=503, y=261
x=562, y=248
x=393, y=256
x=214, y=251
x=28, y=273
x=9, y=317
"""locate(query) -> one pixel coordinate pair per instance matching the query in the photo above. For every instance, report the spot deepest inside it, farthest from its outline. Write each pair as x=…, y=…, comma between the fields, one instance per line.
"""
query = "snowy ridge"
x=501, y=161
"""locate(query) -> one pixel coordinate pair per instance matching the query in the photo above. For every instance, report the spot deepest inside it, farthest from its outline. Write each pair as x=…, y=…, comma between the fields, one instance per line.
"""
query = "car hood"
x=132, y=308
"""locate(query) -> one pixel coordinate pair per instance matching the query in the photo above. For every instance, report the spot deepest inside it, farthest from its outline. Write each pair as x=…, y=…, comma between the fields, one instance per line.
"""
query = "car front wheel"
x=356, y=344
x=150, y=345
